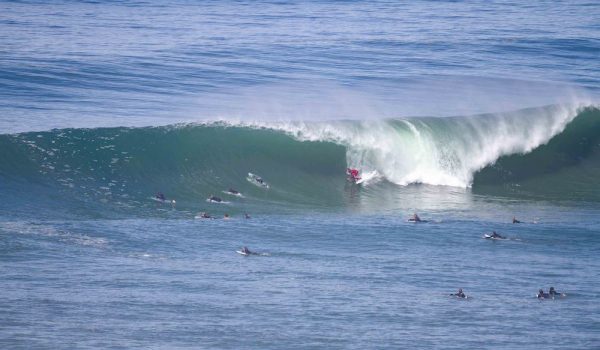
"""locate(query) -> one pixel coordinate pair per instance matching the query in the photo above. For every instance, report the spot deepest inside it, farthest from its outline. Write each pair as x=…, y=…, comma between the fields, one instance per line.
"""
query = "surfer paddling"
x=214, y=199
x=203, y=215
x=415, y=218
x=552, y=293
x=257, y=180
x=494, y=235
x=160, y=197
x=246, y=251
x=459, y=294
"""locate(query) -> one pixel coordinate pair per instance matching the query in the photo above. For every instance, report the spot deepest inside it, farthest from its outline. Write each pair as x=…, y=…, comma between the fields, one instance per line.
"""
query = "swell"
x=92, y=170
x=552, y=150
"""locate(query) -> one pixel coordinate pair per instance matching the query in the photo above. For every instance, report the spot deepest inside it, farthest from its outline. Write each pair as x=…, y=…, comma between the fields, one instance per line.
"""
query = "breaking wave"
x=532, y=150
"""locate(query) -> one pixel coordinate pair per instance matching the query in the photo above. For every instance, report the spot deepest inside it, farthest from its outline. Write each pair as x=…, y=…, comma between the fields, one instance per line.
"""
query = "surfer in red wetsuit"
x=352, y=174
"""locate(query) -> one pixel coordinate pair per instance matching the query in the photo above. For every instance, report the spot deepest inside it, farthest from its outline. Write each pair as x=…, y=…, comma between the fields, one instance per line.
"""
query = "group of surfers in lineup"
x=203, y=215
x=214, y=199
x=494, y=235
x=552, y=294
x=257, y=180
x=352, y=176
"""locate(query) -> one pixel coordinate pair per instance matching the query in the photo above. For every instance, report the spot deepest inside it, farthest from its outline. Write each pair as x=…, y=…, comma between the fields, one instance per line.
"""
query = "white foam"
x=435, y=151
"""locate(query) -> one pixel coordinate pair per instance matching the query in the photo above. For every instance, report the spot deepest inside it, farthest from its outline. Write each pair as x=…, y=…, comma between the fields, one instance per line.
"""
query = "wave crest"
x=436, y=151
x=304, y=162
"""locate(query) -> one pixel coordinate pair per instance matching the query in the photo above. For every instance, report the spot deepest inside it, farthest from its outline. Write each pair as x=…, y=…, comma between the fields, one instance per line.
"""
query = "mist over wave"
x=317, y=100
x=286, y=61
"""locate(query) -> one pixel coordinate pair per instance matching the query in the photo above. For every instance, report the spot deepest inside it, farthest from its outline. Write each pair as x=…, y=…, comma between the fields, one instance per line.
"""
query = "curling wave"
x=437, y=151
x=532, y=149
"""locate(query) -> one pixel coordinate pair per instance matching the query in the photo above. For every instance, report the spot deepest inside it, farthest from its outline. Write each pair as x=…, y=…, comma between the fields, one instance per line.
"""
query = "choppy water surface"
x=332, y=281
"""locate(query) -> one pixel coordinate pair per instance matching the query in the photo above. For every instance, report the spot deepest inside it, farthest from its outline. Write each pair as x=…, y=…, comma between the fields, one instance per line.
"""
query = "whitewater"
x=467, y=113
x=436, y=151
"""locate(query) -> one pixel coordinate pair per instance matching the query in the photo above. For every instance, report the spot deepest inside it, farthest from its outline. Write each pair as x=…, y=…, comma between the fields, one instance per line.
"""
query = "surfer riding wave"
x=353, y=174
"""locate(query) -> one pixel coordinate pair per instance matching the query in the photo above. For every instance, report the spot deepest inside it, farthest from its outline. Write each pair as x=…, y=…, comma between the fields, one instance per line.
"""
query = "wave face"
x=438, y=151
x=83, y=169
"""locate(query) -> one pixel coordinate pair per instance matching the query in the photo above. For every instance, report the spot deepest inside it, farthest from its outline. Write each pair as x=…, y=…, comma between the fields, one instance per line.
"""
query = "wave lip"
x=436, y=151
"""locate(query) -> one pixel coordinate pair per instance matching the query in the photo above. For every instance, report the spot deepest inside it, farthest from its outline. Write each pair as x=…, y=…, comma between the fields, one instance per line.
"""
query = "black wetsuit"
x=459, y=295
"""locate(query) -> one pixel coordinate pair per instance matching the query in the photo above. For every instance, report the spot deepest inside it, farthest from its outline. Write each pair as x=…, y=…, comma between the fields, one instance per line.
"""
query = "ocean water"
x=469, y=113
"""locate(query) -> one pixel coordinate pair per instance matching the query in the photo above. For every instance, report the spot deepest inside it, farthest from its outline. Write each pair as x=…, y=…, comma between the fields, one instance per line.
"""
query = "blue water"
x=330, y=281
x=468, y=112
x=141, y=63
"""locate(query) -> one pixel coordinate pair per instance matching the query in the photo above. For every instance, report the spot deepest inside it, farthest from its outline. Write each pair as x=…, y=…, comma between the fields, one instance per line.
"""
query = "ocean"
x=469, y=113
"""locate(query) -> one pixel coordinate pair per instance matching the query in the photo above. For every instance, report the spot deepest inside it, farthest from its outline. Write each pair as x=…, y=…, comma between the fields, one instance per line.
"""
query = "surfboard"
x=251, y=253
x=553, y=297
x=217, y=202
x=167, y=201
x=367, y=177
x=488, y=236
x=457, y=297
x=234, y=194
